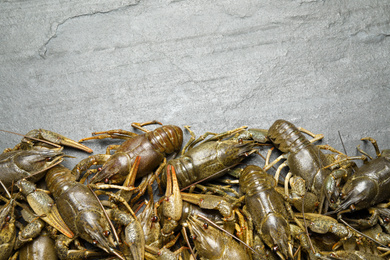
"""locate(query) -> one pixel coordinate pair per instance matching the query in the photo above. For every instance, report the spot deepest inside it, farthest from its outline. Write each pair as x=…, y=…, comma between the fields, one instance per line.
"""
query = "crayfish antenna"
x=6, y=190
x=360, y=233
x=55, y=162
x=106, y=215
x=223, y=230
x=184, y=232
x=211, y=176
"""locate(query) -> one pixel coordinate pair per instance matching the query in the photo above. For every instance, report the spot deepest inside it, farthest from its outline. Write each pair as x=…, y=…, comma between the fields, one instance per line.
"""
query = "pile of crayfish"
x=150, y=197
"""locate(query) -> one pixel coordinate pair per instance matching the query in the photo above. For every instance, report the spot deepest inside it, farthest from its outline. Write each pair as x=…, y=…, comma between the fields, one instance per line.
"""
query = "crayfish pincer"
x=152, y=147
x=43, y=205
x=39, y=139
x=81, y=212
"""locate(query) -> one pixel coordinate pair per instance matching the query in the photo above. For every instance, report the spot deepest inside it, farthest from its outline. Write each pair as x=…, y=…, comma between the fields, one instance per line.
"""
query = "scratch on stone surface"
x=208, y=80
x=248, y=96
x=178, y=67
x=240, y=9
x=302, y=2
x=188, y=74
x=252, y=29
x=370, y=38
x=43, y=50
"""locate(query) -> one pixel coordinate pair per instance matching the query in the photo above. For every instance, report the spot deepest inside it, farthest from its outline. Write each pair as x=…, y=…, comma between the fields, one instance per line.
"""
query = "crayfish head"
x=208, y=240
x=7, y=229
x=37, y=161
x=331, y=191
x=357, y=193
x=95, y=229
x=7, y=215
x=276, y=233
x=116, y=168
x=150, y=225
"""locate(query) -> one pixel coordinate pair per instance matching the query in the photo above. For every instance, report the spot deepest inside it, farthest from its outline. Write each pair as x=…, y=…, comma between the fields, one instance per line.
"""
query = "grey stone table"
x=75, y=67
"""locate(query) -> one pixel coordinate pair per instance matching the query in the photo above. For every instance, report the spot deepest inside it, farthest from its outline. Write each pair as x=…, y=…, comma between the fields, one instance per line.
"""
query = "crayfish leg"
x=316, y=137
x=86, y=163
x=114, y=134
x=62, y=245
x=140, y=126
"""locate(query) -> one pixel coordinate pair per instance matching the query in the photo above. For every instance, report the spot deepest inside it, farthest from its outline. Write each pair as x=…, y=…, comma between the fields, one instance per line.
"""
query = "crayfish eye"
x=240, y=141
x=275, y=248
x=386, y=220
x=7, y=218
x=94, y=242
x=193, y=237
x=106, y=180
x=352, y=207
x=332, y=201
x=48, y=159
x=159, y=253
x=154, y=219
x=205, y=225
x=106, y=233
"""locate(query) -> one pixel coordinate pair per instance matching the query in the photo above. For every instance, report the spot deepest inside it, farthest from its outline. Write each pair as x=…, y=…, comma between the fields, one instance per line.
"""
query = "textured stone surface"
x=81, y=66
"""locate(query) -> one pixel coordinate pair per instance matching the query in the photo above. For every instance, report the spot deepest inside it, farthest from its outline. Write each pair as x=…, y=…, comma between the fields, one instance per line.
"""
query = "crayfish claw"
x=54, y=139
x=43, y=205
x=172, y=204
